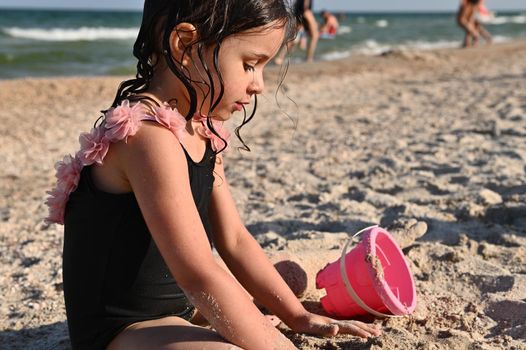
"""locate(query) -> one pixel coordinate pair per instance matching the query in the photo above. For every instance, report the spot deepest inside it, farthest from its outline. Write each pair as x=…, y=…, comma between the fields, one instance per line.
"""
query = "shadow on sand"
x=47, y=337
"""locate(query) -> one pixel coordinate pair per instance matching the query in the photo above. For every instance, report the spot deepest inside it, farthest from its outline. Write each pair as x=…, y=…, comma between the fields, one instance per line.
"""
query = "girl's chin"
x=226, y=114
x=222, y=116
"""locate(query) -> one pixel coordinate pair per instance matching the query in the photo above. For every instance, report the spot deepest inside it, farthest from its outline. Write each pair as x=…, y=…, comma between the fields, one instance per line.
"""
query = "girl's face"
x=242, y=58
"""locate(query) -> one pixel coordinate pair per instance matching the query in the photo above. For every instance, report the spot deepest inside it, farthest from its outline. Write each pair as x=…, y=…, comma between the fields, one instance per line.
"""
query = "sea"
x=39, y=43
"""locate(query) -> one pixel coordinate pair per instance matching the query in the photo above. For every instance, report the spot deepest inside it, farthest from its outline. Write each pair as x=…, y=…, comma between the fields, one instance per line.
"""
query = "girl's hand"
x=320, y=325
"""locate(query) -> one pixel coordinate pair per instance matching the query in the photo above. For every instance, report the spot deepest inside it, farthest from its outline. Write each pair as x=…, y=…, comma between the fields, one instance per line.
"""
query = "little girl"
x=146, y=196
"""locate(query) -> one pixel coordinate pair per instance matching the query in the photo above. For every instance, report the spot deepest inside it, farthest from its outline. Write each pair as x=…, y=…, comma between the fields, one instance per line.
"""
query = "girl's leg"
x=169, y=333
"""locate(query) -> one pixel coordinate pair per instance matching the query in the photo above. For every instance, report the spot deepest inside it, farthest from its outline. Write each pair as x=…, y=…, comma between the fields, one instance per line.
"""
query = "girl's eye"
x=249, y=68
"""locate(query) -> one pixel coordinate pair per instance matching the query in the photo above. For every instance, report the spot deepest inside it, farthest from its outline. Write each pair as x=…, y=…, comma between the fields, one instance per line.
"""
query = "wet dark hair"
x=214, y=20
x=474, y=2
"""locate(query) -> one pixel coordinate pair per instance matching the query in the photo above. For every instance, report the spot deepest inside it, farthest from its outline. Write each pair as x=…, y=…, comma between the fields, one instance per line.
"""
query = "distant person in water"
x=467, y=20
x=330, y=24
x=307, y=22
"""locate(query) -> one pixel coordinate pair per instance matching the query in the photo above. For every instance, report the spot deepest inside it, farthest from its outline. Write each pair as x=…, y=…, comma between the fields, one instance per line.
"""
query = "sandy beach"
x=429, y=144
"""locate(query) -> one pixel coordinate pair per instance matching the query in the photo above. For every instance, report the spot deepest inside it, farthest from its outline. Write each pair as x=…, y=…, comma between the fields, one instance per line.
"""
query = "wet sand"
x=431, y=145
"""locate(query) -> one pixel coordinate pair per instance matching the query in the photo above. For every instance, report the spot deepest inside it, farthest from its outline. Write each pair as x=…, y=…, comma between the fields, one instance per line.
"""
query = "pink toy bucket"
x=373, y=278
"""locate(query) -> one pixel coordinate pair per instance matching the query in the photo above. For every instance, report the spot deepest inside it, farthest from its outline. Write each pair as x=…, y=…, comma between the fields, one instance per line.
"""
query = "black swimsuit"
x=113, y=272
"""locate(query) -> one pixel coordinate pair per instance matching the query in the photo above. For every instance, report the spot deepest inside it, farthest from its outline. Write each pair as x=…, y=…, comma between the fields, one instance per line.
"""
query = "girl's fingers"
x=324, y=329
x=330, y=329
x=327, y=327
x=358, y=328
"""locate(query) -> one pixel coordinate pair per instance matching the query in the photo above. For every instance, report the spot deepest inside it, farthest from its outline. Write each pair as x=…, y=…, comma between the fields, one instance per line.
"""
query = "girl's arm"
x=247, y=261
x=154, y=164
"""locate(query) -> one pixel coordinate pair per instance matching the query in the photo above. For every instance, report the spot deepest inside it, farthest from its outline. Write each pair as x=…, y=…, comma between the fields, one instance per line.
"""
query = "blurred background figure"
x=483, y=15
x=303, y=10
x=330, y=25
x=307, y=30
x=469, y=18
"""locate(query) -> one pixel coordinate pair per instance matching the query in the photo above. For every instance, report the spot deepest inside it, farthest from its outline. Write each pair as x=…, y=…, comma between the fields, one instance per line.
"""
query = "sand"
x=431, y=145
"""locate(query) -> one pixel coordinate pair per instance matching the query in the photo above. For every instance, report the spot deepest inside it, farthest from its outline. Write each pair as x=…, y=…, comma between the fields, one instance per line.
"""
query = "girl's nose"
x=257, y=85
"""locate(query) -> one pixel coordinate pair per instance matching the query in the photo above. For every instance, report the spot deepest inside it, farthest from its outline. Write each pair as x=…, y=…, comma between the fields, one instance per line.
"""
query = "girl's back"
x=124, y=277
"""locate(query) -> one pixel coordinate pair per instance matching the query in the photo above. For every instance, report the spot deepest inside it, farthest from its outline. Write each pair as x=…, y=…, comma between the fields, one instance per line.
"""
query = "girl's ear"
x=181, y=40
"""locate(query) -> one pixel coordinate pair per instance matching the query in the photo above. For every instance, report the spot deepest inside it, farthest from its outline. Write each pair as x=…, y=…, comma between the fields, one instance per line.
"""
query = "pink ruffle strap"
x=68, y=174
x=172, y=119
x=93, y=146
x=123, y=121
x=120, y=123
x=204, y=130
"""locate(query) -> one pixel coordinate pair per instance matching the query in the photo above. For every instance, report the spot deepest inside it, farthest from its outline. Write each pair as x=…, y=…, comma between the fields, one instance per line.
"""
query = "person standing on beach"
x=467, y=20
x=330, y=24
x=146, y=197
x=303, y=11
x=481, y=14
x=306, y=25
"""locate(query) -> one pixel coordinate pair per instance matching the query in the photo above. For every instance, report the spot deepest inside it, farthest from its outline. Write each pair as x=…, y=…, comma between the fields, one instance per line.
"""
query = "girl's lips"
x=238, y=106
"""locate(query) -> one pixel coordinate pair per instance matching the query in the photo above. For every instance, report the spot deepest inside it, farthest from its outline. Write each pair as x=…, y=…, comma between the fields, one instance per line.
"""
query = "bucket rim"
x=391, y=301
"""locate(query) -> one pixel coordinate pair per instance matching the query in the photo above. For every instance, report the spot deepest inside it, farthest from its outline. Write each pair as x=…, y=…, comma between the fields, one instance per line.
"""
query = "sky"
x=342, y=5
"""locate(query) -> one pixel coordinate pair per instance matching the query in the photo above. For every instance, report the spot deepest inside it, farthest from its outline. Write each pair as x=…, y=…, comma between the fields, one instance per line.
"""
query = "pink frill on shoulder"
x=93, y=146
x=171, y=119
x=120, y=123
x=123, y=121
x=217, y=142
x=68, y=174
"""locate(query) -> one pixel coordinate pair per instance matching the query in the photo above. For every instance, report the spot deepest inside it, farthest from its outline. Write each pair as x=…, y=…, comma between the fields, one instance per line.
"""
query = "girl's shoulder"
x=118, y=125
x=124, y=120
x=153, y=143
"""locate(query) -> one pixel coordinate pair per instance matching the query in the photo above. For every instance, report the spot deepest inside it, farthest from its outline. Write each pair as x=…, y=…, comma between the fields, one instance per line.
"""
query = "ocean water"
x=35, y=43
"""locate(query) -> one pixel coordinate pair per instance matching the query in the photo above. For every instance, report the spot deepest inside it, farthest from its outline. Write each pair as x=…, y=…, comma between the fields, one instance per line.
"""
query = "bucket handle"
x=347, y=283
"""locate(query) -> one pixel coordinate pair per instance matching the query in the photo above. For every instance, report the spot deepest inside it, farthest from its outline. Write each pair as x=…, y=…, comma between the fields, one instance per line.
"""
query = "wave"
x=336, y=55
x=72, y=34
x=382, y=23
x=368, y=47
x=373, y=48
x=429, y=45
x=344, y=29
x=501, y=38
x=498, y=20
